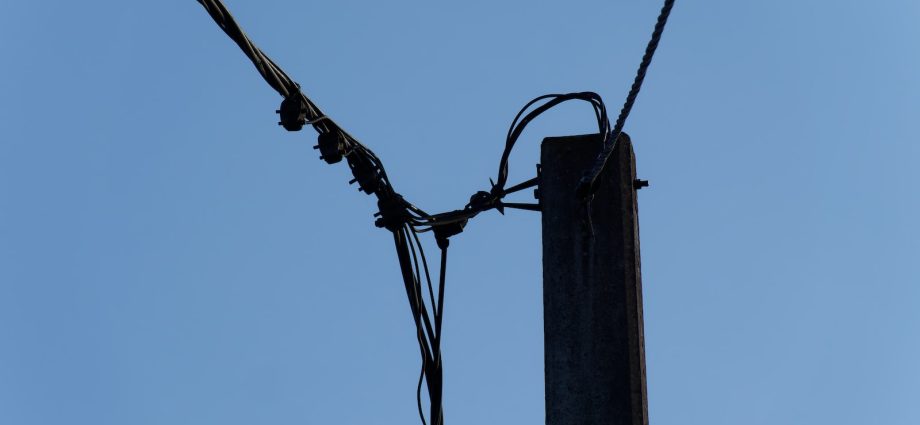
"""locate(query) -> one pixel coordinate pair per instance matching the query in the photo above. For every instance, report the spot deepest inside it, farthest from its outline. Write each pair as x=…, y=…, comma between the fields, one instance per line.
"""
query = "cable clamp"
x=332, y=146
x=393, y=214
x=443, y=232
x=293, y=111
x=366, y=174
x=483, y=201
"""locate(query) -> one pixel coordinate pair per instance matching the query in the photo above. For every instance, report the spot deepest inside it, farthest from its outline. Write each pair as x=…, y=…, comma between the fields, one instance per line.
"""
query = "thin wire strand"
x=421, y=250
x=439, y=317
x=418, y=390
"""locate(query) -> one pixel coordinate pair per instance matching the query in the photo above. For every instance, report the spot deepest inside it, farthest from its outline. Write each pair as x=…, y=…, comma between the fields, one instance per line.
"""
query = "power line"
x=587, y=185
x=403, y=219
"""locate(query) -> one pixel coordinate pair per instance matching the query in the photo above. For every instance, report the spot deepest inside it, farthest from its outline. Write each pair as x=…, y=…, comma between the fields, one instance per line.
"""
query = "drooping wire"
x=439, y=316
x=519, y=124
x=432, y=365
x=415, y=303
x=435, y=307
x=418, y=394
x=415, y=285
x=410, y=251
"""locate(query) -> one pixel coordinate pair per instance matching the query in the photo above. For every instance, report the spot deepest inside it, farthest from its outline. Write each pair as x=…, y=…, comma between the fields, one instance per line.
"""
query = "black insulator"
x=332, y=147
x=393, y=214
x=293, y=112
x=367, y=175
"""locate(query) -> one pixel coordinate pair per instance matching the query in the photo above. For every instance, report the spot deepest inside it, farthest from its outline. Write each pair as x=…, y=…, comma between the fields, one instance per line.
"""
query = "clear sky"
x=168, y=255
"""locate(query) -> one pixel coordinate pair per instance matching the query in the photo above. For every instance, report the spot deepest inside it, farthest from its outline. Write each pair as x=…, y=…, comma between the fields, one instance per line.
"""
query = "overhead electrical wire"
x=405, y=220
x=588, y=183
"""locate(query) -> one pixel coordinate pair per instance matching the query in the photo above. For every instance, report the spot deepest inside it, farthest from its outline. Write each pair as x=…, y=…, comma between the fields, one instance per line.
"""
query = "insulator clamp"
x=293, y=112
x=332, y=147
x=367, y=175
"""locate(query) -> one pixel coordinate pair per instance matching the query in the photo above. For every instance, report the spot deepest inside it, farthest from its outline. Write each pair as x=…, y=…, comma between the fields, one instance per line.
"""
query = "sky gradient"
x=168, y=255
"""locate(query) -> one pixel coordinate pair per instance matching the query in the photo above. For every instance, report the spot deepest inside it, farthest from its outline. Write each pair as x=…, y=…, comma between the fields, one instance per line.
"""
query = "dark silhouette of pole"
x=592, y=287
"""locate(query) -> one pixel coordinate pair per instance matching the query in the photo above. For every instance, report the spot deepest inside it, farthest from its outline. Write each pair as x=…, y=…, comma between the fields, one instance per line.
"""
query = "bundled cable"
x=403, y=219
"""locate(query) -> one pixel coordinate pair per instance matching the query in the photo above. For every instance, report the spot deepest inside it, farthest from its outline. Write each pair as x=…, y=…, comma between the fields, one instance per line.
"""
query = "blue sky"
x=168, y=255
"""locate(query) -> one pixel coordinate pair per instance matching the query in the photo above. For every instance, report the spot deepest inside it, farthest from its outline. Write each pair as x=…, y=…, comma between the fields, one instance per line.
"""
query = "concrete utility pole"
x=592, y=288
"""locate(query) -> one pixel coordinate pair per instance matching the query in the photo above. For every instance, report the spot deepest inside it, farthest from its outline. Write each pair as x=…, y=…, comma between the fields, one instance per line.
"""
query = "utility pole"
x=592, y=287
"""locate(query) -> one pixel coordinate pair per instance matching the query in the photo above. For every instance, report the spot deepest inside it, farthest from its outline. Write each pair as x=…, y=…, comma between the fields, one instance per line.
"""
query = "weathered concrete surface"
x=592, y=288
